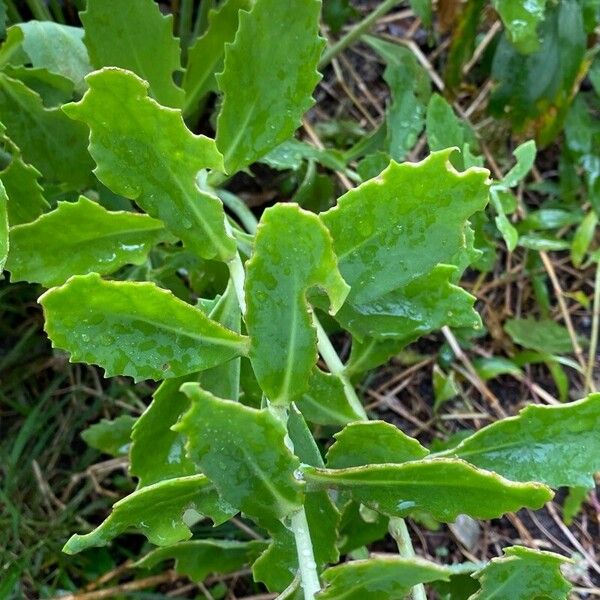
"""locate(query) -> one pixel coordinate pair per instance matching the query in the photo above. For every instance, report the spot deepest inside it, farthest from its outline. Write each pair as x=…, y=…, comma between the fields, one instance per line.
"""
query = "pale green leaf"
x=11, y=51
x=57, y=48
x=381, y=578
x=521, y=20
x=53, y=89
x=556, y=445
x=444, y=387
x=78, y=238
x=369, y=442
x=47, y=138
x=325, y=402
x=163, y=512
x=205, y=57
x=573, y=503
x=4, y=241
x=157, y=452
x=135, y=329
x=242, y=451
x=488, y=368
x=111, y=437
x=444, y=488
x=269, y=75
x=197, y=559
x=523, y=574
x=144, y=152
x=293, y=252
x=134, y=35
x=544, y=335
x=26, y=200
x=392, y=230
x=525, y=155
x=582, y=239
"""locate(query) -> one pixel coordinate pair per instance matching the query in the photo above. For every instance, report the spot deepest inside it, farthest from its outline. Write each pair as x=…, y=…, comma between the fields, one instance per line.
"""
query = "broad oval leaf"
x=372, y=442
x=78, y=238
x=270, y=73
x=199, y=558
x=134, y=35
x=523, y=574
x=242, y=450
x=144, y=152
x=293, y=252
x=163, y=512
x=393, y=229
x=134, y=329
x=381, y=578
x=445, y=488
x=556, y=445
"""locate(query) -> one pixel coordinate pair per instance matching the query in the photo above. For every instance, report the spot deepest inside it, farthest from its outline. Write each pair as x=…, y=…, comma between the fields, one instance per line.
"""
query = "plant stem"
x=399, y=531
x=589, y=374
x=240, y=209
x=356, y=32
x=186, y=9
x=336, y=367
x=307, y=566
x=39, y=10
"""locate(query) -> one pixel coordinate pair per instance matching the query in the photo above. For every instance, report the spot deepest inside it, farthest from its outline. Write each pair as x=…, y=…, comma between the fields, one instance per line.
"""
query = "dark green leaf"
x=137, y=329
x=111, y=437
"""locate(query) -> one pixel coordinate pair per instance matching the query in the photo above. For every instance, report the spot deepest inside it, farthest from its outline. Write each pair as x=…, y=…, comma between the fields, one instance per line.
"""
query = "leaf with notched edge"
x=269, y=75
x=398, y=227
x=135, y=329
x=293, y=253
x=445, y=488
x=78, y=238
x=163, y=512
x=144, y=152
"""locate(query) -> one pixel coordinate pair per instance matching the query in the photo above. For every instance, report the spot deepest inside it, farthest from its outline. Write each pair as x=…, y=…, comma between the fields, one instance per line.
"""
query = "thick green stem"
x=589, y=374
x=399, y=531
x=336, y=367
x=307, y=566
x=356, y=32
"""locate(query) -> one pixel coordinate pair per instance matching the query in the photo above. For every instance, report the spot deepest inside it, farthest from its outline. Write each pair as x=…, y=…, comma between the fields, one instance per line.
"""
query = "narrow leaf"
x=293, y=253
x=78, y=238
x=163, y=512
x=197, y=559
x=370, y=442
x=242, y=451
x=127, y=35
x=556, y=445
x=381, y=578
x=134, y=329
x=3, y=226
x=144, y=152
x=445, y=488
x=525, y=155
x=523, y=574
x=270, y=73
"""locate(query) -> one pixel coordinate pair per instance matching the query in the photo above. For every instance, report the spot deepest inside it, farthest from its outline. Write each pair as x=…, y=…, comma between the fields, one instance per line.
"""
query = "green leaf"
x=445, y=488
x=369, y=442
x=197, y=559
x=205, y=57
x=544, y=335
x=392, y=230
x=57, y=48
x=26, y=201
x=337, y=12
x=523, y=574
x=48, y=139
x=53, y=89
x=293, y=252
x=582, y=239
x=269, y=76
x=444, y=387
x=488, y=368
x=556, y=445
x=4, y=241
x=163, y=512
x=110, y=437
x=159, y=172
x=134, y=35
x=381, y=578
x=521, y=20
x=242, y=451
x=157, y=452
x=325, y=402
x=573, y=503
x=135, y=329
x=78, y=238
x=525, y=155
